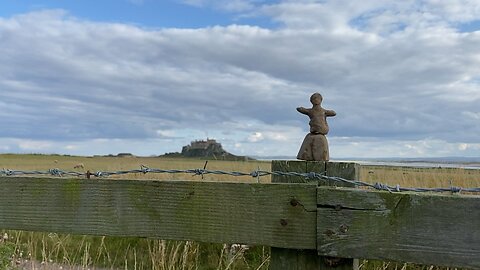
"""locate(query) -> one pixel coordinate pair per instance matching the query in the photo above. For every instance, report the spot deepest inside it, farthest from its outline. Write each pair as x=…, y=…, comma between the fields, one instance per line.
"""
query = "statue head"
x=316, y=99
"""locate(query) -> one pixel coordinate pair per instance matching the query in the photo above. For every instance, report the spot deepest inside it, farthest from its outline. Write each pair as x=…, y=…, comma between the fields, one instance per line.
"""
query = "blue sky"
x=147, y=77
x=144, y=13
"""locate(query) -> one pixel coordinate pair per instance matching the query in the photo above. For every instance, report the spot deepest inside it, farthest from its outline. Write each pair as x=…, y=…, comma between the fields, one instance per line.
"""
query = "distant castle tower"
x=204, y=148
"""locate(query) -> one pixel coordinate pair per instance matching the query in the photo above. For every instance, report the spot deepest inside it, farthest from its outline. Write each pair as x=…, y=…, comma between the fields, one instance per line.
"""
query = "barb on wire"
x=308, y=177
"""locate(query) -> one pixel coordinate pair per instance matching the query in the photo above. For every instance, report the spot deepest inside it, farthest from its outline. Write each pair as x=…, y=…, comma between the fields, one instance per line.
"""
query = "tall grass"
x=93, y=164
x=34, y=250
x=421, y=177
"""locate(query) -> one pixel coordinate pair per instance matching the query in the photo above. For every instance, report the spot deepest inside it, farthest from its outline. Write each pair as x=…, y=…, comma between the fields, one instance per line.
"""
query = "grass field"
x=93, y=164
x=421, y=177
x=33, y=250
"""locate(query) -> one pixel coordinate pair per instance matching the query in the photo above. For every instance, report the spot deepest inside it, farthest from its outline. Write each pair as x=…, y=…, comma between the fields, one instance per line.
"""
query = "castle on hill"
x=209, y=148
x=204, y=148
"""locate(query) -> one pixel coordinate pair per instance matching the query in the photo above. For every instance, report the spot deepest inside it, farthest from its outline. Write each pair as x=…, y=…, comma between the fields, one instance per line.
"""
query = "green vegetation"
x=7, y=252
x=24, y=248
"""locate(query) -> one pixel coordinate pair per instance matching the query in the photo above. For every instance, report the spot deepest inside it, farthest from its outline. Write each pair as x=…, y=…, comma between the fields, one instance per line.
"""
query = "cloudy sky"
x=149, y=76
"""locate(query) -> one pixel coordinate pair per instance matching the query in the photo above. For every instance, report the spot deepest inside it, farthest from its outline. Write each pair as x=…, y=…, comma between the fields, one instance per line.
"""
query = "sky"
x=149, y=76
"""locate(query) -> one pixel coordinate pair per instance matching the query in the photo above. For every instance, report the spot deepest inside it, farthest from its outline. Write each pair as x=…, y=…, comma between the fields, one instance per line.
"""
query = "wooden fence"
x=304, y=223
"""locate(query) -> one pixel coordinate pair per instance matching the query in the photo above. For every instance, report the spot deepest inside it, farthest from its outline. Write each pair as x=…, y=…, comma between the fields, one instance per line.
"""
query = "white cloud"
x=226, y=5
x=463, y=146
x=455, y=10
x=473, y=115
x=369, y=148
x=255, y=137
x=71, y=147
x=395, y=71
x=278, y=136
x=166, y=133
x=32, y=145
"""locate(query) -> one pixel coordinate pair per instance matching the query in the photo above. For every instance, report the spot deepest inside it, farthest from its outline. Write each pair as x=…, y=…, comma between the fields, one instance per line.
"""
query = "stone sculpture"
x=315, y=144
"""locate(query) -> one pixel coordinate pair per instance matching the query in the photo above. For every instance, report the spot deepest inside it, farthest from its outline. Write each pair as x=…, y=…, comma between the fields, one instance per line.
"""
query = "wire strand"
x=306, y=177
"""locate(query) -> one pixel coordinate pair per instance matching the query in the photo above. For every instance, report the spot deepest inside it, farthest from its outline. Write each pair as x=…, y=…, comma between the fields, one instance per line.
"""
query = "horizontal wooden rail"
x=339, y=222
x=183, y=210
x=410, y=227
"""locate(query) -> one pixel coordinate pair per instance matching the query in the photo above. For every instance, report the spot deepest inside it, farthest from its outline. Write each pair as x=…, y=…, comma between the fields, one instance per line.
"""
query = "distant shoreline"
x=442, y=162
x=419, y=164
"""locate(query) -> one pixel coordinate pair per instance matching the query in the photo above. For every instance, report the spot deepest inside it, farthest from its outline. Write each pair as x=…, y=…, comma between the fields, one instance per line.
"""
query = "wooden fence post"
x=292, y=259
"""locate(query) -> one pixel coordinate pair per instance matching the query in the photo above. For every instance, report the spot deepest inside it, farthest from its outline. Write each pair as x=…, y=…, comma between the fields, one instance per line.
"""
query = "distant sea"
x=437, y=162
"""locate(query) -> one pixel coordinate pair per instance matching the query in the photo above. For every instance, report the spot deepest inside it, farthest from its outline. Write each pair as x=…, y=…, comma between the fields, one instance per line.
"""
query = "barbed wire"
x=305, y=177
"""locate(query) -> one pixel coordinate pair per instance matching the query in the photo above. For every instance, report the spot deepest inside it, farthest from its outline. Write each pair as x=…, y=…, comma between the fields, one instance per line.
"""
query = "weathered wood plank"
x=308, y=259
x=250, y=213
x=349, y=171
x=434, y=229
x=295, y=166
x=296, y=259
x=346, y=170
x=293, y=259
